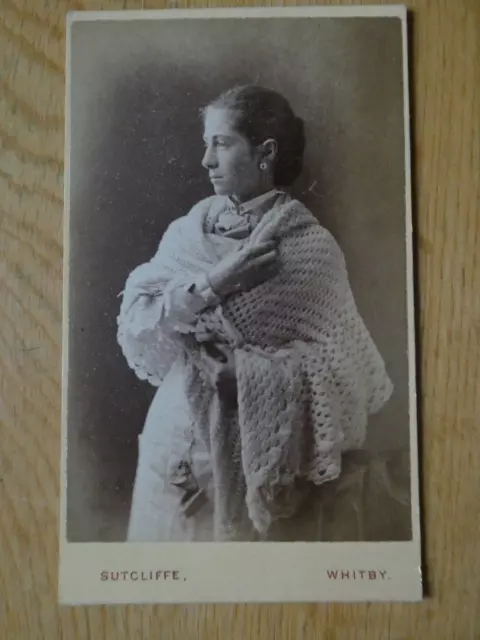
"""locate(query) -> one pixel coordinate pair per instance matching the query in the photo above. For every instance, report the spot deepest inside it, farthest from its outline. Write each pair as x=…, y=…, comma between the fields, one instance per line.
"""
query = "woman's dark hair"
x=261, y=114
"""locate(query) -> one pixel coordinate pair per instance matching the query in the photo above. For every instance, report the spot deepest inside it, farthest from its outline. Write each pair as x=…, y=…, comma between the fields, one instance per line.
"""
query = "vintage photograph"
x=238, y=337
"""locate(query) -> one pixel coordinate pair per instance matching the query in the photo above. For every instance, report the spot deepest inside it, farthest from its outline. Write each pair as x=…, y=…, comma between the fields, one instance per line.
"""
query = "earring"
x=263, y=166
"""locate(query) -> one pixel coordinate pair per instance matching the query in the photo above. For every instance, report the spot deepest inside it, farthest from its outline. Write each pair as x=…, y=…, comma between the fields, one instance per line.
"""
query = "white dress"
x=174, y=503
x=157, y=512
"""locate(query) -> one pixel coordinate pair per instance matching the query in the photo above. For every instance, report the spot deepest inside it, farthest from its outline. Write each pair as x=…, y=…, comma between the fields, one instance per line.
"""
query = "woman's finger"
x=260, y=274
x=261, y=248
x=264, y=259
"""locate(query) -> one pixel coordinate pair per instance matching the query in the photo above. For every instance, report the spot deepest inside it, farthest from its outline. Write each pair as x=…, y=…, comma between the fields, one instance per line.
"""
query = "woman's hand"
x=244, y=269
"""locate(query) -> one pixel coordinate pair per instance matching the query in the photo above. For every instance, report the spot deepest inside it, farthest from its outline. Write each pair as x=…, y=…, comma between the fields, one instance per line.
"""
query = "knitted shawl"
x=308, y=373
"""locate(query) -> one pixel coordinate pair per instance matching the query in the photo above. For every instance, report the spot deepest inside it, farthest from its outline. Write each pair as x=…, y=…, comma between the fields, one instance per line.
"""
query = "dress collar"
x=249, y=206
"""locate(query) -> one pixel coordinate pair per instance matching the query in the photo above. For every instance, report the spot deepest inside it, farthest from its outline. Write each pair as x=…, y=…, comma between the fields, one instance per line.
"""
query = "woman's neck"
x=259, y=191
x=255, y=204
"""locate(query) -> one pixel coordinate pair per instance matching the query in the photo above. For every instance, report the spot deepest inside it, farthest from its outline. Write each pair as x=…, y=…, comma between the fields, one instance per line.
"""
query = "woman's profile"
x=245, y=321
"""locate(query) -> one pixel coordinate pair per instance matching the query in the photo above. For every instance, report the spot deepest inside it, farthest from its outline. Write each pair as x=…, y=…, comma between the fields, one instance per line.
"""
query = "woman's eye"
x=215, y=144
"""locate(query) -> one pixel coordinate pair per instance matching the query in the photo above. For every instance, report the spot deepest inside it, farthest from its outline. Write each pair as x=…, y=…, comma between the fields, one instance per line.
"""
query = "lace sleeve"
x=151, y=314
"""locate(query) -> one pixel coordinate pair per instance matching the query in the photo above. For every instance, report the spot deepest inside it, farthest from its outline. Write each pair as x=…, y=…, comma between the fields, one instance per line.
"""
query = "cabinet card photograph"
x=239, y=392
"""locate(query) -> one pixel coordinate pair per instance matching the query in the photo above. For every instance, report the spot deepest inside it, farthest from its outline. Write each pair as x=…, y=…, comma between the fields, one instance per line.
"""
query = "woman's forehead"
x=219, y=122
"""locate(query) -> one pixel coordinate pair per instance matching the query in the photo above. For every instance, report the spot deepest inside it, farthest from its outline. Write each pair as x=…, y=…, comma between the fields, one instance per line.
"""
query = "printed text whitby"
x=356, y=574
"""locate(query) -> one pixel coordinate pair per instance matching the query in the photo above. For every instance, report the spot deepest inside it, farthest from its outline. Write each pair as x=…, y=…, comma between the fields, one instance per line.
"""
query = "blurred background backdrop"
x=136, y=147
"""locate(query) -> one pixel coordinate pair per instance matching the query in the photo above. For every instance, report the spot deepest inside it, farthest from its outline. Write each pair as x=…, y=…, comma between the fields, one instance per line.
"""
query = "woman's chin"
x=220, y=189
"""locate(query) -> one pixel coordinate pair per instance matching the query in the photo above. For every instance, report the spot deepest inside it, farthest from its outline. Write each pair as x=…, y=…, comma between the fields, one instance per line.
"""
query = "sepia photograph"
x=238, y=331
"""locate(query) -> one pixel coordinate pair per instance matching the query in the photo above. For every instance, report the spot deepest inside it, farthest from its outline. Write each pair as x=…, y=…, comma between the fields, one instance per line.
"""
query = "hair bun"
x=291, y=163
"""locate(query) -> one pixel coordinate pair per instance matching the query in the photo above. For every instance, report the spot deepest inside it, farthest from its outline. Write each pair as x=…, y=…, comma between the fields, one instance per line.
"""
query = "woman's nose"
x=209, y=160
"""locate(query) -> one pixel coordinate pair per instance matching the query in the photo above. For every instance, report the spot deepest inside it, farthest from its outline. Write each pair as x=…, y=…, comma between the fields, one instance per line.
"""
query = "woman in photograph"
x=245, y=321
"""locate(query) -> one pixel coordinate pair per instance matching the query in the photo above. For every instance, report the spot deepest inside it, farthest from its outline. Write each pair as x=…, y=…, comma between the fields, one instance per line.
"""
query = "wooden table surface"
x=446, y=87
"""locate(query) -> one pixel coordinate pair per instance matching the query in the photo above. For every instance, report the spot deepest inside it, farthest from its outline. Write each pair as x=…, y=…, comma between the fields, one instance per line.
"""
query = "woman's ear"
x=269, y=149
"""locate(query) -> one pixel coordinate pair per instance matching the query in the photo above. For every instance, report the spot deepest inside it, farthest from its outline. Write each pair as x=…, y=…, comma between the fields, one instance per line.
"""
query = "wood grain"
x=446, y=83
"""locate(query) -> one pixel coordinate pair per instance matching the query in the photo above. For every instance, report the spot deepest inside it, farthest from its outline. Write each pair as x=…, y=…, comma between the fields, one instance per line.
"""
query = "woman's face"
x=233, y=164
